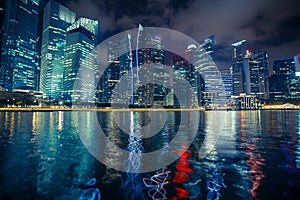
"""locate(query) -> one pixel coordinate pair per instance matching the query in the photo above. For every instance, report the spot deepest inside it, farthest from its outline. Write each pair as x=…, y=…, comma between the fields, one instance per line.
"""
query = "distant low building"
x=18, y=98
x=244, y=102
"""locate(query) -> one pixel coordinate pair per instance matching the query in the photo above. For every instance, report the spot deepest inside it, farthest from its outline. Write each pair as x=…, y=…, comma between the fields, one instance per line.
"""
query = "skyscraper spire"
x=131, y=67
x=136, y=51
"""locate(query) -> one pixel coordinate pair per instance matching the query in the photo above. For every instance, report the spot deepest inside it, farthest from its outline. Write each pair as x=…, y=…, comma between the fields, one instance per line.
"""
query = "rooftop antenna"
x=136, y=51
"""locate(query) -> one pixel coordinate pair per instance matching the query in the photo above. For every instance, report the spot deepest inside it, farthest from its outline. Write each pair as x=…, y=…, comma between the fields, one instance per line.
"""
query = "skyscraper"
x=158, y=72
x=181, y=66
x=205, y=65
x=283, y=70
x=284, y=83
x=238, y=54
x=139, y=60
x=19, y=47
x=259, y=74
x=209, y=45
x=119, y=60
x=284, y=67
x=2, y=5
x=80, y=66
x=141, y=67
x=226, y=75
x=294, y=89
x=57, y=19
x=143, y=61
x=193, y=76
x=250, y=71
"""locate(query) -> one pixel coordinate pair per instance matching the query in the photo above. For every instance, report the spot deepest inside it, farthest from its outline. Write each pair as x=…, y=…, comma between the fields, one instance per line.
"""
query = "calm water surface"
x=255, y=155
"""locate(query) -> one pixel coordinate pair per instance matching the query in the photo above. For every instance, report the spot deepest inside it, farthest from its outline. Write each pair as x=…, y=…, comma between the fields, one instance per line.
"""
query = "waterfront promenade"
x=109, y=109
x=32, y=109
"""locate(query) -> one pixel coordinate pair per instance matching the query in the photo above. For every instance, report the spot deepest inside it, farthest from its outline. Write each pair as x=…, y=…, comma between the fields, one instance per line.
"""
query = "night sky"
x=271, y=25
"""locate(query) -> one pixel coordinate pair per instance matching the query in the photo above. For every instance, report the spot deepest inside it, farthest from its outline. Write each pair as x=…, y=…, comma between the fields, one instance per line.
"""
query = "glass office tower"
x=19, y=47
x=57, y=19
x=80, y=66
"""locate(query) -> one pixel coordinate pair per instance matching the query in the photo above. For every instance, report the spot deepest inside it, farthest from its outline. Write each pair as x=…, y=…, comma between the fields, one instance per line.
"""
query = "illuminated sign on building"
x=238, y=43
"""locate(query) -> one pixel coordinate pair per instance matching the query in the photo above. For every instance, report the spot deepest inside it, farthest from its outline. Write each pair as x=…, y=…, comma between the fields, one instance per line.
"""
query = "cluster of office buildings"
x=256, y=82
x=49, y=64
x=63, y=57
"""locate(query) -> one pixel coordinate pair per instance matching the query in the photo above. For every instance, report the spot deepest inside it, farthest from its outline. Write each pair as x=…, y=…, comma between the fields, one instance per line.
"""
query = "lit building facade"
x=284, y=67
x=136, y=64
x=238, y=55
x=192, y=75
x=57, y=19
x=259, y=74
x=212, y=95
x=111, y=77
x=106, y=86
x=181, y=66
x=226, y=75
x=119, y=63
x=143, y=95
x=2, y=5
x=250, y=71
x=294, y=88
x=80, y=67
x=158, y=73
x=283, y=71
x=19, y=48
x=297, y=64
x=209, y=45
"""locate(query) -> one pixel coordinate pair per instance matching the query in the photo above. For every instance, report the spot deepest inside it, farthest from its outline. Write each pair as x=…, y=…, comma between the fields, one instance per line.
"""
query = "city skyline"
x=68, y=38
x=149, y=99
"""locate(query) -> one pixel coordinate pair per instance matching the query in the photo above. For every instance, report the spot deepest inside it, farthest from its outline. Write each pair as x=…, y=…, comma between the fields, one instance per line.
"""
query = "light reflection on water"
x=131, y=182
x=257, y=156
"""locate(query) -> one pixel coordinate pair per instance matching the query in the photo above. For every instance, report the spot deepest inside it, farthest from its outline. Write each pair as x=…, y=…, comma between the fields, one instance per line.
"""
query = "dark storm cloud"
x=257, y=25
x=122, y=15
x=265, y=24
x=284, y=40
x=286, y=31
